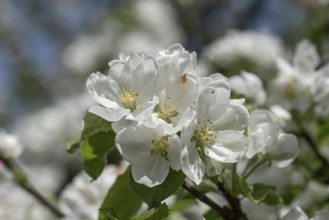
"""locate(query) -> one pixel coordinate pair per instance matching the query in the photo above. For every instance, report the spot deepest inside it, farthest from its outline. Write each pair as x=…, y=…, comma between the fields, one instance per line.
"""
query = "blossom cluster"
x=167, y=117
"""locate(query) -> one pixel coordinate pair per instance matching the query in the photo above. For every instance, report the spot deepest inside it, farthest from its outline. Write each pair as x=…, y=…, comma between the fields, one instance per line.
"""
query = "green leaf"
x=212, y=215
x=94, y=150
x=154, y=214
x=255, y=192
x=121, y=199
x=273, y=199
x=109, y=213
x=93, y=124
x=73, y=145
x=97, y=139
x=153, y=196
x=180, y=205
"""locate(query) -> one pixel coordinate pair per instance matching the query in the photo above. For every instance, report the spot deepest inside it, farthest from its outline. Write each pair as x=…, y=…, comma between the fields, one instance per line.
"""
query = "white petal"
x=285, y=150
x=174, y=152
x=214, y=80
x=193, y=167
x=259, y=116
x=306, y=57
x=118, y=126
x=235, y=118
x=187, y=117
x=321, y=215
x=230, y=147
x=150, y=170
x=144, y=78
x=109, y=114
x=295, y=214
x=144, y=111
x=212, y=103
x=265, y=135
x=134, y=142
x=104, y=89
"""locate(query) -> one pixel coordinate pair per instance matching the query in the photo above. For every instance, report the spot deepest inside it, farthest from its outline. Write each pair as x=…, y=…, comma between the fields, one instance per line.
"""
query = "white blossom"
x=260, y=49
x=127, y=91
x=250, y=85
x=216, y=130
x=151, y=152
x=10, y=146
x=292, y=87
x=265, y=137
x=178, y=86
x=82, y=198
x=296, y=213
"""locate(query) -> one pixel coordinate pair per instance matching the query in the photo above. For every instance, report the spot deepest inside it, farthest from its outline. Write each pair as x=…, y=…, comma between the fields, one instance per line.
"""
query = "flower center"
x=166, y=110
x=203, y=136
x=160, y=147
x=128, y=98
x=289, y=91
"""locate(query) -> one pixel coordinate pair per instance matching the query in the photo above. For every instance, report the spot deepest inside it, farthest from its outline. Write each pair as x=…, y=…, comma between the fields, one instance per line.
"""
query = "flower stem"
x=22, y=182
x=252, y=169
x=222, y=211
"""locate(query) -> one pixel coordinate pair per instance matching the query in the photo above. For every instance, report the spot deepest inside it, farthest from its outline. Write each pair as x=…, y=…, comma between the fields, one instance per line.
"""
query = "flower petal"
x=230, y=148
x=235, y=118
x=134, y=142
x=104, y=89
x=285, y=150
x=150, y=170
x=193, y=167
x=265, y=135
x=174, y=152
x=295, y=213
x=109, y=114
x=206, y=109
x=306, y=57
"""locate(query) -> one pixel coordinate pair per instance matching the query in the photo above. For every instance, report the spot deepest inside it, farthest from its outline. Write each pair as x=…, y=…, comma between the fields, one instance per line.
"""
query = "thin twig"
x=311, y=142
x=27, y=187
x=224, y=212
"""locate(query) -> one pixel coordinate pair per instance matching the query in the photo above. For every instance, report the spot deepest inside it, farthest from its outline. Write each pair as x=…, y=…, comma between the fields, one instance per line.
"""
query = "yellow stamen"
x=203, y=136
x=161, y=147
x=128, y=98
x=166, y=110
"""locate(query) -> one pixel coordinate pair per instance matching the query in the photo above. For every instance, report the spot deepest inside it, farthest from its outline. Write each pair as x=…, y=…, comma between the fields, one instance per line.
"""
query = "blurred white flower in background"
x=17, y=204
x=45, y=134
x=156, y=27
x=82, y=198
x=291, y=88
x=138, y=33
x=255, y=48
x=10, y=146
x=86, y=51
x=281, y=115
x=296, y=213
x=260, y=211
x=249, y=85
x=315, y=192
x=320, y=91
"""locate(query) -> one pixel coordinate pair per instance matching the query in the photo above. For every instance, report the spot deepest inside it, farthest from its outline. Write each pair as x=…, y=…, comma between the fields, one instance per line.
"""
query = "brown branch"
x=27, y=187
x=233, y=201
x=224, y=212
